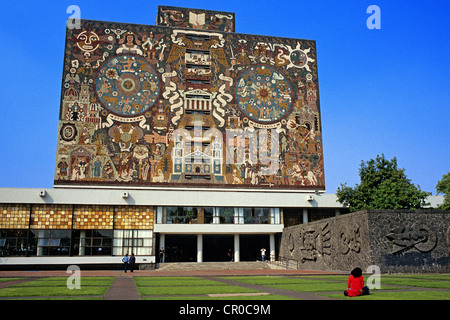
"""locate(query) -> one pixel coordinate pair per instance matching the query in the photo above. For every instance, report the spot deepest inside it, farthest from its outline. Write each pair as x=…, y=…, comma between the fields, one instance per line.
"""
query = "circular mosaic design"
x=263, y=93
x=68, y=132
x=127, y=85
x=298, y=58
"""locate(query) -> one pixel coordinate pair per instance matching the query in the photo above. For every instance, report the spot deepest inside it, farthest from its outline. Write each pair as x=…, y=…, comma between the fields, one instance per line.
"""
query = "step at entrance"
x=193, y=266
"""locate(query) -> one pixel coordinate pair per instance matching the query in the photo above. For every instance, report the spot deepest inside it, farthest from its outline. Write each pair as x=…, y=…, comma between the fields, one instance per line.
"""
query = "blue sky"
x=382, y=91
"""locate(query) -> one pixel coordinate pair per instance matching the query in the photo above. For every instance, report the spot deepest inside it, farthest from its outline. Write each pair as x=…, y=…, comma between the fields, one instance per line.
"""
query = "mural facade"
x=188, y=102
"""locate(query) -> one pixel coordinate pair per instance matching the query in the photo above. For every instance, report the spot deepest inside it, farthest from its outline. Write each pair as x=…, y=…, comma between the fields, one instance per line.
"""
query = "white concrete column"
x=216, y=216
x=199, y=248
x=305, y=215
x=162, y=241
x=236, y=248
x=82, y=244
x=159, y=215
x=272, y=247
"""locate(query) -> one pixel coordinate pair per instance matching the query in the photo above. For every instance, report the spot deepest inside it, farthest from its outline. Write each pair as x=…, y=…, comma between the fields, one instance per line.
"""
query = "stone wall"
x=395, y=241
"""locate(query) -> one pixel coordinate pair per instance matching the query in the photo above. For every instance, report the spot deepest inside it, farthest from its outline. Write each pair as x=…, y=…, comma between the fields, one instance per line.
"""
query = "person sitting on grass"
x=355, y=284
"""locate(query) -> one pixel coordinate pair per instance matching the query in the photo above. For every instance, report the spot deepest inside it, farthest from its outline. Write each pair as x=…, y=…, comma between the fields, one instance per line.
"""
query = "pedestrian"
x=125, y=261
x=132, y=262
x=230, y=255
x=355, y=284
x=161, y=255
x=263, y=254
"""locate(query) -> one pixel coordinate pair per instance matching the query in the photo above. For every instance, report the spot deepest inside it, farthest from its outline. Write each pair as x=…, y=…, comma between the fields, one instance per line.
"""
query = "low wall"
x=394, y=240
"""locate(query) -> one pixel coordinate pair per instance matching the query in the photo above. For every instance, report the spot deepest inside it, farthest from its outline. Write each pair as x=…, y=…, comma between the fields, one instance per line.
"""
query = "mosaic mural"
x=188, y=102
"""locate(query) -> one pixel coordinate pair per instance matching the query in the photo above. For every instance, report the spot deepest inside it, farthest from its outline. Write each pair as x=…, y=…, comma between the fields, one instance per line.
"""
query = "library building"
x=183, y=135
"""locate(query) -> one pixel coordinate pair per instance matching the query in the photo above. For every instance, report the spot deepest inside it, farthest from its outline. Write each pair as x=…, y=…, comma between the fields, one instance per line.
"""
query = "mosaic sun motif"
x=127, y=85
x=263, y=93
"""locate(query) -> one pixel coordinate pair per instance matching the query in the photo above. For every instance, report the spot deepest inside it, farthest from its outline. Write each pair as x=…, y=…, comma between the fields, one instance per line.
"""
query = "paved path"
x=123, y=288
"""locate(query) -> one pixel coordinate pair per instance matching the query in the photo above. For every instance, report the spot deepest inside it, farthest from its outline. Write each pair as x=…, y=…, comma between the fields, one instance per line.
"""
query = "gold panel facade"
x=133, y=217
x=51, y=217
x=14, y=216
x=83, y=217
x=93, y=217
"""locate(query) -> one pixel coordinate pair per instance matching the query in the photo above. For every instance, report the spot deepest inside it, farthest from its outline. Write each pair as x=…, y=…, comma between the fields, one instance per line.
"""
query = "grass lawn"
x=417, y=281
x=51, y=291
x=184, y=286
x=303, y=284
x=192, y=290
x=174, y=281
x=57, y=287
x=62, y=282
x=404, y=295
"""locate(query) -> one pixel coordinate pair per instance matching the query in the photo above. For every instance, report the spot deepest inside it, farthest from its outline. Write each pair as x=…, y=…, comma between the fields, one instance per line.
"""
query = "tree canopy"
x=383, y=186
x=443, y=186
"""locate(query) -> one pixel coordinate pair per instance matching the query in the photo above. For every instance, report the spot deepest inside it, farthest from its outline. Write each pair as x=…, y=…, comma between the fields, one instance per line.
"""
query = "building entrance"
x=181, y=248
x=251, y=245
x=217, y=247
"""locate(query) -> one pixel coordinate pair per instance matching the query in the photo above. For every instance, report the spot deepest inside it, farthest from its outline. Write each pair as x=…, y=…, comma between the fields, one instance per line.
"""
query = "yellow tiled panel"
x=14, y=216
x=133, y=217
x=93, y=217
x=48, y=216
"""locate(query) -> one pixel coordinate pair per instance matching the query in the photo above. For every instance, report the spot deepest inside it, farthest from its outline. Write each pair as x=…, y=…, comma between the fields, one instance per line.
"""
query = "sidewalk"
x=156, y=273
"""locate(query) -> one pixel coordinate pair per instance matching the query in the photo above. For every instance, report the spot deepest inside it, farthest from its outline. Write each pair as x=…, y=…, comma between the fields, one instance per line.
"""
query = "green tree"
x=383, y=186
x=443, y=186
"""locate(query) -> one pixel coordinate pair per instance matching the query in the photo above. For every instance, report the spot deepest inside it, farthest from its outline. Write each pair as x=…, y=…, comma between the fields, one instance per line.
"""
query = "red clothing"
x=355, y=286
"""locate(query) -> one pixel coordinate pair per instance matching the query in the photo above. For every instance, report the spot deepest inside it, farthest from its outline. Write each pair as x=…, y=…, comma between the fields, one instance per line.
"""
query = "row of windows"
x=219, y=215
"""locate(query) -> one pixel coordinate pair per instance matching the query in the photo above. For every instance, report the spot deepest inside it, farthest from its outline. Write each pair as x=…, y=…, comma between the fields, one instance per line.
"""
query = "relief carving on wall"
x=448, y=240
x=349, y=240
x=418, y=236
x=314, y=242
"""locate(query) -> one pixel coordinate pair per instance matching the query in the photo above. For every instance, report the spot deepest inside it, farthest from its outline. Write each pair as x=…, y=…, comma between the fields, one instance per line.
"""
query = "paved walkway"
x=123, y=288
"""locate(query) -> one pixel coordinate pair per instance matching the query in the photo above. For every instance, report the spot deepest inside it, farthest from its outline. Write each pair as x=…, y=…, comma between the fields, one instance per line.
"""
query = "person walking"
x=125, y=261
x=132, y=262
x=263, y=254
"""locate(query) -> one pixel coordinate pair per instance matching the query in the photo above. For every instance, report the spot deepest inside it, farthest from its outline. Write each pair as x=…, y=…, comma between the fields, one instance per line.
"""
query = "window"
x=208, y=215
x=139, y=242
x=92, y=242
x=181, y=214
x=13, y=242
x=256, y=215
x=226, y=215
x=51, y=242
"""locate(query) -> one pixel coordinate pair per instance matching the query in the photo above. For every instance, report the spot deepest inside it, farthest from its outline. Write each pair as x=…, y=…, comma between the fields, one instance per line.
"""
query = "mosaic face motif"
x=263, y=94
x=188, y=103
x=127, y=85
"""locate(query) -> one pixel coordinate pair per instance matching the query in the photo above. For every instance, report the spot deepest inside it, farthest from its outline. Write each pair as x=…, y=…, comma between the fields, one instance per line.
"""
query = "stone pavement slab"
x=123, y=288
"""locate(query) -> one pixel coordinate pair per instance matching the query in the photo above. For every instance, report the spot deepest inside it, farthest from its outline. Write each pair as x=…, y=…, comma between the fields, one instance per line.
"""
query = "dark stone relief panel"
x=396, y=241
